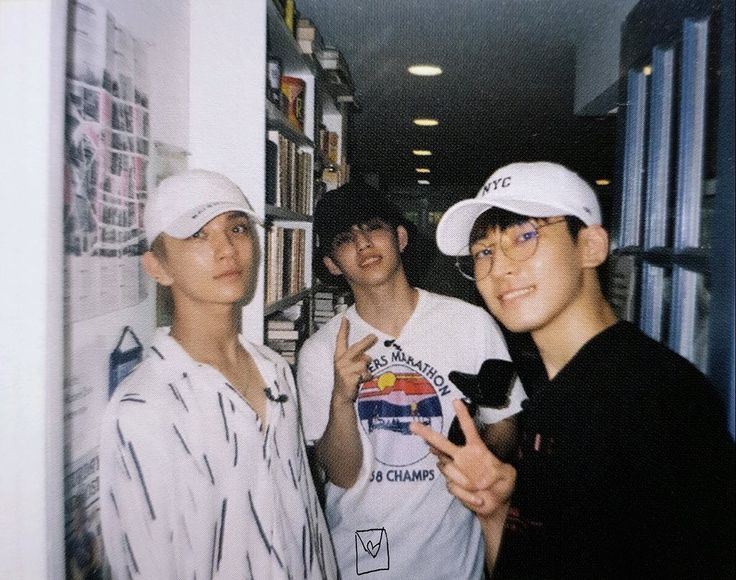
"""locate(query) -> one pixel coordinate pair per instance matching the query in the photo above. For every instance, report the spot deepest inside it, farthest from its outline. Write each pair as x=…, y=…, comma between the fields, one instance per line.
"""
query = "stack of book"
x=285, y=330
x=328, y=303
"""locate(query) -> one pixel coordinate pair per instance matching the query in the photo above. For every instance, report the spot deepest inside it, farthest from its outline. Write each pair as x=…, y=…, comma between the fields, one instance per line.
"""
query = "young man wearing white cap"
x=365, y=376
x=625, y=468
x=203, y=465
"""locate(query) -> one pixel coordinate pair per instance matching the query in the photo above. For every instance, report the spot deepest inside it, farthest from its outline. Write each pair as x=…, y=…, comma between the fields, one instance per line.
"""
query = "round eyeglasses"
x=517, y=242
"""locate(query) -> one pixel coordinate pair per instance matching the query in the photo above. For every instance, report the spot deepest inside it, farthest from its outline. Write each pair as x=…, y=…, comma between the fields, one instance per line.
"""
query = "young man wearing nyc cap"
x=203, y=465
x=625, y=467
x=365, y=376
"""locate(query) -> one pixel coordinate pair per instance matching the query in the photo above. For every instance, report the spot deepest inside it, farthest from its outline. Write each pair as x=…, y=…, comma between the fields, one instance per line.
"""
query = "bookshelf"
x=664, y=260
x=305, y=156
x=234, y=128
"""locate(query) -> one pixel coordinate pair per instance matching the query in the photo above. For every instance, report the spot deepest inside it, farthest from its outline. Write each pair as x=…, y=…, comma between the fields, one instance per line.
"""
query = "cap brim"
x=186, y=225
x=453, y=229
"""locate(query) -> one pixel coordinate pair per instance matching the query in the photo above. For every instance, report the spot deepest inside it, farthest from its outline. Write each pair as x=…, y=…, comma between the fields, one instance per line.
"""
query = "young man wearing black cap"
x=203, y=467
x=364, y=377
x=625, y=468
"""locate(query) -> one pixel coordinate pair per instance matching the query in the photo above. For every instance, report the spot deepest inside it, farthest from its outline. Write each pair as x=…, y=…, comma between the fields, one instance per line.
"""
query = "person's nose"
x=361, y=238
x=502, y=265
x=223, y=245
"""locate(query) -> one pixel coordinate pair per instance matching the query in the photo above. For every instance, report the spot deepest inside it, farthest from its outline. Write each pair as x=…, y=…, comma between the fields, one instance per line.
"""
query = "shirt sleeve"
x=135, y=470
x=315, y=377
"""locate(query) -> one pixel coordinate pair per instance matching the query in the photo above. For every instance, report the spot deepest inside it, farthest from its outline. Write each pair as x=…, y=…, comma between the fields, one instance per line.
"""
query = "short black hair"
x=337, y=211
x=502, y=219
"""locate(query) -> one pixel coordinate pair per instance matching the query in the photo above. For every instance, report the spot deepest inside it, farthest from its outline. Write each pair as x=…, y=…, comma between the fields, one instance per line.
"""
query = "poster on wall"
x=107, y=156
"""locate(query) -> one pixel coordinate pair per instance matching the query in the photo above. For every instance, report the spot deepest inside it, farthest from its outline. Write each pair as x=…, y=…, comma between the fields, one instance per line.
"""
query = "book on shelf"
x=272, y=169
x=333, y=142
x=286, y=319
x=308, y=37
x=286, y=329
x=285, y=259
x=292, y=175
x=327, y=303
x=282, y=334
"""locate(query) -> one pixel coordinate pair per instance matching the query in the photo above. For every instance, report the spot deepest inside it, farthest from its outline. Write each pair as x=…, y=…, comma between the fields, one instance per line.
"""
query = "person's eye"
x=526, y=236
x=197, y=235
x=241, y=228
x=482, y=254
x=342, y=239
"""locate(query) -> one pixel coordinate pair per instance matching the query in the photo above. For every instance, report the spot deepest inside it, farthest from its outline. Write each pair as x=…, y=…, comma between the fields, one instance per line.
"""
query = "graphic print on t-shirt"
x=388, y=404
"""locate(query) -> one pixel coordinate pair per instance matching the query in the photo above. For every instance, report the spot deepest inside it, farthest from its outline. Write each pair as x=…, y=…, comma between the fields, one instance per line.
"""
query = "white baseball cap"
x=538, y=189
x=185, y=202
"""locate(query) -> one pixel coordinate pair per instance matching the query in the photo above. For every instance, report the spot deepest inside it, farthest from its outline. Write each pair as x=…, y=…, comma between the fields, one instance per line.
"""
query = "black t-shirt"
x=626, y=469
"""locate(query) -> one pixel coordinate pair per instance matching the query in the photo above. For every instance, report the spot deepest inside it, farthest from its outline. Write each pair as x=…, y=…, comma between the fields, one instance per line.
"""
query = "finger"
x=466, y=422
x=358, y=348
x=436, y=440
x=442, y=458
x=471, y=500
x=453, y=474
x=481, y=504
x=341, y=343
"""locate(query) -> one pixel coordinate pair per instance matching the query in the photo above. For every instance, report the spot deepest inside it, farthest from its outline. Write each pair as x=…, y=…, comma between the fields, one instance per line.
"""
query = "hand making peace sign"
x=481, y=481
x=351, y=363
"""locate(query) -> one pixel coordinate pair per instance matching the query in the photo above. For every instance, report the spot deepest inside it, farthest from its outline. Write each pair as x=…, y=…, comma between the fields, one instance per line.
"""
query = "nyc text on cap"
x=537, y=189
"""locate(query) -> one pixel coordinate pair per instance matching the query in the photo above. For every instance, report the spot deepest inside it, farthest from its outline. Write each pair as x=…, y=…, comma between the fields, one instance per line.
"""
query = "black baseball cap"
x=339, y=210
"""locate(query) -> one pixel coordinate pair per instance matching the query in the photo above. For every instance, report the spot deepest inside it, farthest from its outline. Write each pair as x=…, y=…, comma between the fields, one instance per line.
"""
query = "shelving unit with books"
x=304, y=108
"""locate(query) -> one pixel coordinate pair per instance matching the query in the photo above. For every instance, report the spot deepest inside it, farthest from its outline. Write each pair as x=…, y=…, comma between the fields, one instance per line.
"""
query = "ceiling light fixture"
x=603, y=182
x=422, y=182
x=423, y=170
x=424, y=70
x=422, y=152
x=426, y=122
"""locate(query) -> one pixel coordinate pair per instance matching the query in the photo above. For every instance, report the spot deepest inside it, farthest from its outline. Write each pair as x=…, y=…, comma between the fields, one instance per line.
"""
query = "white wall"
x=33, y=356
x=228, y=107
x=32, y=40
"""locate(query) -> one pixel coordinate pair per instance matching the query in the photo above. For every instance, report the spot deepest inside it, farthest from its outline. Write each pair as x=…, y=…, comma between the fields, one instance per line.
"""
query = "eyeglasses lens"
x=518, y=243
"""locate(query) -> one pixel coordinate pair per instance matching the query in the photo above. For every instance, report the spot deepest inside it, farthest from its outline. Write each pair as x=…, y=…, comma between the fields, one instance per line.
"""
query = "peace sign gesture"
x=481, y=481
x=351, y=363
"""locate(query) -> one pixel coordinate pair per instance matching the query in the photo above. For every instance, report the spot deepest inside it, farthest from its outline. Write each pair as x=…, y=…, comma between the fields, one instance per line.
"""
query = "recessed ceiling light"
x=603, y=182
x=422, y=182
x=423, y=170
x=424, y=70
x=422, y=152
x=426, y=122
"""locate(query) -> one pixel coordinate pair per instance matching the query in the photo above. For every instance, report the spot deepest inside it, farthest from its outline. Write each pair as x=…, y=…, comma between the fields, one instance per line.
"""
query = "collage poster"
x=107, y=142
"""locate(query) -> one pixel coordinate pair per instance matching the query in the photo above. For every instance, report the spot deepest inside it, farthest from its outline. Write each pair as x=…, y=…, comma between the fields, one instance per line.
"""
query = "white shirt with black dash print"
x=192, y=487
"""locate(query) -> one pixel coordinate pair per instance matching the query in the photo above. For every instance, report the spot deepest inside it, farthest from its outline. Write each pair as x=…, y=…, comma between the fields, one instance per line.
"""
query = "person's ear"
x=593, y=241
x=403, y=237
x=332, y=268
x=155, y=269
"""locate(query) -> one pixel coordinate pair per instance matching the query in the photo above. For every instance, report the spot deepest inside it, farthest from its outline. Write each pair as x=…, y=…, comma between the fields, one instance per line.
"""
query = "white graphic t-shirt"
x=399, y=520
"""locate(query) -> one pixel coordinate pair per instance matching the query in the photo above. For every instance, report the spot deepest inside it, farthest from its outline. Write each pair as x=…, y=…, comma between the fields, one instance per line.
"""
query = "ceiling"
x=506, y=93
